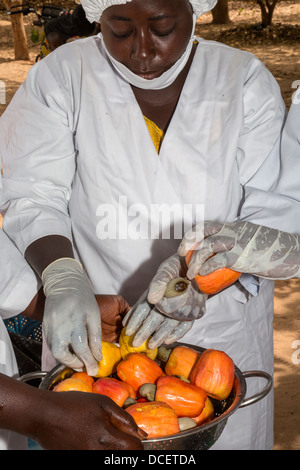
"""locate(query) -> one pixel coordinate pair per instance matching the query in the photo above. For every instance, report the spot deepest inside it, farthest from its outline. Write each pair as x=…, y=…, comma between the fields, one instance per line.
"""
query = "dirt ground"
x=281, y=55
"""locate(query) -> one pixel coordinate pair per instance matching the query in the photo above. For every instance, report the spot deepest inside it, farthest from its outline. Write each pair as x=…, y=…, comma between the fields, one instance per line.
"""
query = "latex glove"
x=72, y=323
x=164, y=291
x=166, y=318
x=247, y=248
x=144, y=320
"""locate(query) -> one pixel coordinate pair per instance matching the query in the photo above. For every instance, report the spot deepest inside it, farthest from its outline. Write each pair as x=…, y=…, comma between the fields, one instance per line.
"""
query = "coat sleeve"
x=271, y=188
x=259, y=154
x=18, y=282
x=38, y=156
x=287, y=190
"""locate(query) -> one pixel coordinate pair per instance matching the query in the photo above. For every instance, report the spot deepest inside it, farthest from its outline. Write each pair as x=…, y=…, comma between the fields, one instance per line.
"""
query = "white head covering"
x=94, y=8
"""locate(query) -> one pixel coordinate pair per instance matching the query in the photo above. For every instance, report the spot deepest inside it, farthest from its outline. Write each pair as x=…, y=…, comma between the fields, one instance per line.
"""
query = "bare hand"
x=113, y=308
x=85, y=421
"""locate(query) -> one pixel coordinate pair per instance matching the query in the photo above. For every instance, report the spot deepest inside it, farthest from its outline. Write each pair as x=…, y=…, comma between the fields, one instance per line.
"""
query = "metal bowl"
x=199, y=438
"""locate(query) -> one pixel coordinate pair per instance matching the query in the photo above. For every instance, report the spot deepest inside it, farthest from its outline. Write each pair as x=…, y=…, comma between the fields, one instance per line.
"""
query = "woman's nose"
x=142, y=48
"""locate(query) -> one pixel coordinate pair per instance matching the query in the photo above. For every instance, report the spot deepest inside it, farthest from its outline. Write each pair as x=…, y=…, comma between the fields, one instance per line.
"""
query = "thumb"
x=156, y=290
x=169, y=269
x=123, y=421
x=218, y=261
x=95, y=335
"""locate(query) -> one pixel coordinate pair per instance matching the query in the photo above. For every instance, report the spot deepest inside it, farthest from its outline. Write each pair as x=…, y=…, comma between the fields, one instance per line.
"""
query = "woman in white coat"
x=107, y=132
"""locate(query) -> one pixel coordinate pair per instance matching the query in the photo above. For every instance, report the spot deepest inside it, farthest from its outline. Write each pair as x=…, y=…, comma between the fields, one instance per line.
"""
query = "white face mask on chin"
x=164, y=80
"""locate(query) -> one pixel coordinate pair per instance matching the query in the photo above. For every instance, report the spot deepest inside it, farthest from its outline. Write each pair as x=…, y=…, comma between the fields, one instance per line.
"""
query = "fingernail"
x=92, y=370
x=142, y=433
x=137, y=342
x=191, y=273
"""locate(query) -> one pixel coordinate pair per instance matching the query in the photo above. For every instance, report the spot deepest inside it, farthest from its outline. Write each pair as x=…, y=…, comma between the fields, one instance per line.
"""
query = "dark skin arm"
x=66, y=420
x=35, y=309
x=44, y=251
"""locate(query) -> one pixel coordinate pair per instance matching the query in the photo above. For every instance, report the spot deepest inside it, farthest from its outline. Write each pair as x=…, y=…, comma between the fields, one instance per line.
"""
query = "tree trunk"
x=267, y=9
x=220, y=13
x=19, y=35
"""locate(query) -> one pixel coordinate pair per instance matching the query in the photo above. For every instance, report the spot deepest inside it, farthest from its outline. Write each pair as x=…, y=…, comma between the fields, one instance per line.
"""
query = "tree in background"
x=220, y=13
x=267, y=8
x=21, y=49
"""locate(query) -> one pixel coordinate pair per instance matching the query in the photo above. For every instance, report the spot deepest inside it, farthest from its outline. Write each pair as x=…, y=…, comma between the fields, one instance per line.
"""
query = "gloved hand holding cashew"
x=244, y=247
x=167, y=309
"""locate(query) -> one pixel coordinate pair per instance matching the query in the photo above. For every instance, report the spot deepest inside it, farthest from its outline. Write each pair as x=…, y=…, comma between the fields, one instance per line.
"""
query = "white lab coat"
x=84, y=158
x=18, y=286
x=288, y=187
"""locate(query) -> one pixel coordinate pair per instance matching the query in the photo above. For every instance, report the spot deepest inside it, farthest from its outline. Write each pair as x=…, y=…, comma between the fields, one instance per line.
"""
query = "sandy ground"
x=283, y=60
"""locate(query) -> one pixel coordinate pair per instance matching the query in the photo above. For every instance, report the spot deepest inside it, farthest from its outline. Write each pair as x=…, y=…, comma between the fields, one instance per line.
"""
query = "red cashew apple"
x=156, y=418
x=214, y=373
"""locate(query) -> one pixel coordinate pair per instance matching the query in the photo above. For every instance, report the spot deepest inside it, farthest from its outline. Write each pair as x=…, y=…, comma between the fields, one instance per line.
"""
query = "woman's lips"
x=147, y=75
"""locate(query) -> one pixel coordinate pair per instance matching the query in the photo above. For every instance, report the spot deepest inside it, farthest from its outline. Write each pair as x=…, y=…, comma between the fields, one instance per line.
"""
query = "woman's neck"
x=159, y=105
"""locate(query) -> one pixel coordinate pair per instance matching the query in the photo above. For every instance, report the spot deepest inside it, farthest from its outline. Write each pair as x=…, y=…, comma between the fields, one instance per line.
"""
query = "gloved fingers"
x=211, y=245
x=194, y=237
x=232, y=238
x=80, y=346
x=188, y=312
x=168, y=270
x=219, y=261
x=70, y=305
x=94, y=335
x=61, y=352
x=150, y=325
x=194, y=308
x=136, y=315
x=179, y=332
x=191, y=239
x=58, y=339
x=211, y=227
x=163, y=331
x=192, y=305
x=176, y=296
x=198, y=302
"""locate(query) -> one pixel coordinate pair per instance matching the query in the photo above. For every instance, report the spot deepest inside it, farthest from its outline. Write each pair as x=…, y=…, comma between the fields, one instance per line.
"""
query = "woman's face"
x=147, y=36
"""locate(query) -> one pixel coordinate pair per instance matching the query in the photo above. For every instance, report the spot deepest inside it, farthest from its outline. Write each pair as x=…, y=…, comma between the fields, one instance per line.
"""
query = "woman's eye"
x=122, y=35
x=163, y=33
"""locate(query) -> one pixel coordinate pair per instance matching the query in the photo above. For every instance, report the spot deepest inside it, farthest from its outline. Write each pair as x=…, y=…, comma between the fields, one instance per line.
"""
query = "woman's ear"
x=97, y=29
